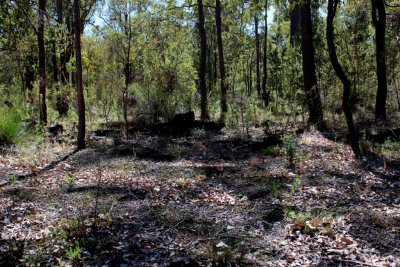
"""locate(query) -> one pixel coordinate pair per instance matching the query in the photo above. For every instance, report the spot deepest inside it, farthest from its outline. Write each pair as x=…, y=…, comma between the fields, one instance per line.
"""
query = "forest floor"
x=212, y=200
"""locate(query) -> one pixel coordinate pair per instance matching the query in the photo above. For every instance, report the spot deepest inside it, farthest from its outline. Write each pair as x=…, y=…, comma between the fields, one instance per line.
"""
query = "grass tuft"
x=10, y=127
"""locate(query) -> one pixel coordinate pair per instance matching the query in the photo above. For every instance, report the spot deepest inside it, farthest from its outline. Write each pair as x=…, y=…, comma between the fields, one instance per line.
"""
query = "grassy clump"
x=273, y=151
x=10, y=126
x=390, y=148
x=291, y=147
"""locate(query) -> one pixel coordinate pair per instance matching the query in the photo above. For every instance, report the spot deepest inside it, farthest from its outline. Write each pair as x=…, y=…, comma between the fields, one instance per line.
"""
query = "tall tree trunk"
x=79, y=83
x=55, y=74
x=379, y=22
x=62, y=104
x=332, y=7
x=203, y=62
x=265, y=95
x=59, y=7
x=127, y=71
x=313, y=97
x=224, y=106
x=258, y=53
x=42, y=62
x=54, y=63
x=29, y=76
x=295, y=25
x=67, y=53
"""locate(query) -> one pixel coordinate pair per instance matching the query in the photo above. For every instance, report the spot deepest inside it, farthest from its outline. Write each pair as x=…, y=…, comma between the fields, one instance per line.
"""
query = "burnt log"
x=103, y=132
x=272, y=140
x=55, y=129
x=184, y=120
x=180, y=124
x=381, y=137
x=209, y=125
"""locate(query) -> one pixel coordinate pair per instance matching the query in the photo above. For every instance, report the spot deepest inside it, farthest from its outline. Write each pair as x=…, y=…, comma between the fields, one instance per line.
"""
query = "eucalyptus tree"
x=332, y=7
x=79, y=83
x=42, y=60
x=265, y=94
x=378, y=12
x=203, y=61
x=258, y=50
x=224, y=106
x=123, y=25
x=313, y=98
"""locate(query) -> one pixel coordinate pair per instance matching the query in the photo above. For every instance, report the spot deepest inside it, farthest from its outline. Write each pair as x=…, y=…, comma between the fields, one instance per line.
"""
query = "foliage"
x=273, y=151
x=291, y=147
x=198, y=134
x=10, y=126
x=390, y=148
x=14, y=178
x=222, y=254
x=276, y=187
x=69, y=180
x=74, y=253
x=310, y=224
x=296, y=184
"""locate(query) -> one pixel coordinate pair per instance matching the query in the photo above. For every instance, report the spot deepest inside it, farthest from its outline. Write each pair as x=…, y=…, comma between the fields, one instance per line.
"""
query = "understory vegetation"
x=188, y=133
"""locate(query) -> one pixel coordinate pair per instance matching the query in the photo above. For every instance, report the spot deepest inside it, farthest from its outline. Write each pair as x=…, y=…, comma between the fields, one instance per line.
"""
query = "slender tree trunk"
x=65, y=55
x=295, y=25
x=224, y=106
x=265, y=95
x=379, y=22
x=313, y=97
x=125, y=105
x=59, y=7
x=258, y=53
x=79, y=83
x=128, y=71
x=394, y=81
x=60, y=69
x=55, y=75
x=54, y=63
x=251, y=73
x=203, y=62
x=29, y=76
x=332, y=7
x=42, y=62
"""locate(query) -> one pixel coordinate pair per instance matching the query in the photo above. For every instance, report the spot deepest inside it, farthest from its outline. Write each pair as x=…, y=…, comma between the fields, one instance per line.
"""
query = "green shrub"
x=291, y=147
x=10, y=126
x=390, y=148
x=273, y=151
x=69, y=180
x=74, y=253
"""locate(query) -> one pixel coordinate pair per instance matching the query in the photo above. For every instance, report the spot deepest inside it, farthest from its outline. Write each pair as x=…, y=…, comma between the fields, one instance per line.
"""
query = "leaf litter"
x=211, y=202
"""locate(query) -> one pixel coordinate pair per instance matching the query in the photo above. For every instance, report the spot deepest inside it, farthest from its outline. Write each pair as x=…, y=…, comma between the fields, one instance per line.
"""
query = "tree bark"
x=224, y=106
x=379, y=22
x=265, y=95
x=332, y=7
x=79, y=84
x=127, y=70
x=42, y=62
x=295, y=25
x=29, y=74
x=203, y=62
x=258, y=53
x=65, y=55
x=313, y=97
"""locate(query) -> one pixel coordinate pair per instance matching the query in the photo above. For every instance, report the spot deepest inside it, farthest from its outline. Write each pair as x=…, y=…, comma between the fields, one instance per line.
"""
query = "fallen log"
x=381, y=137
x=180, y=124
